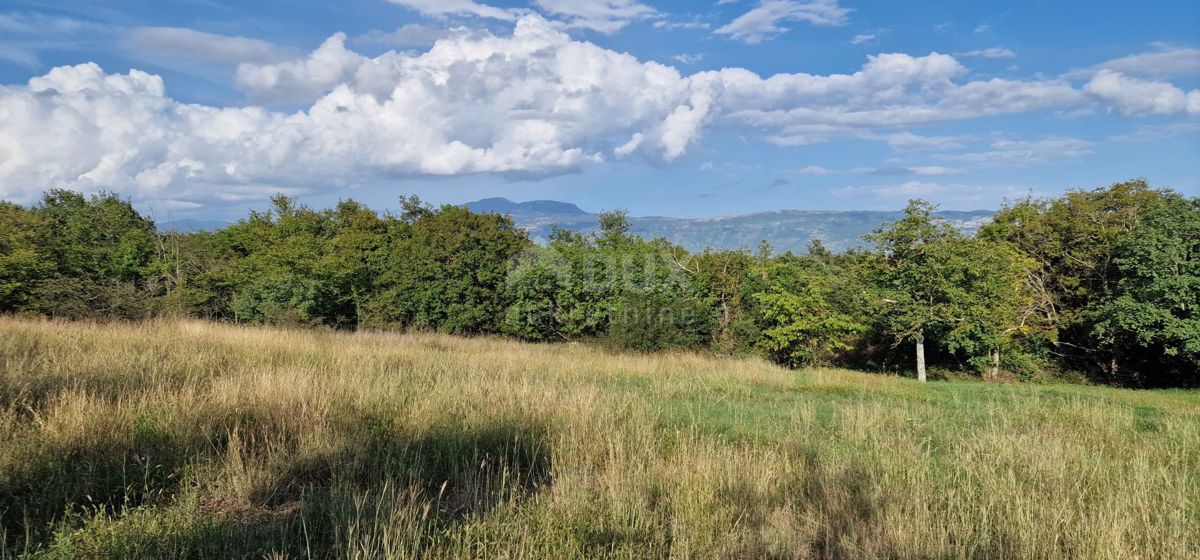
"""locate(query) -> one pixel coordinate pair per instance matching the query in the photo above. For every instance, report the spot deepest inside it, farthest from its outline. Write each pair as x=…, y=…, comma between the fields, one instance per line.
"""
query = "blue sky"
x=204, y=108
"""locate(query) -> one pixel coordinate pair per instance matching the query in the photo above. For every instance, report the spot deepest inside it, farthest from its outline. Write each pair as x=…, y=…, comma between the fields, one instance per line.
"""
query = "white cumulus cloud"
x=531, y=103
x=306, y=79
x=534, y=102
x=1134, y=96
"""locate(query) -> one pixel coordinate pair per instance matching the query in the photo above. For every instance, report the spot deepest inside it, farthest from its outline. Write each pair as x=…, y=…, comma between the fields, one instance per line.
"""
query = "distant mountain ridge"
x=506, y=206
x=191, y=225
x=785, y=230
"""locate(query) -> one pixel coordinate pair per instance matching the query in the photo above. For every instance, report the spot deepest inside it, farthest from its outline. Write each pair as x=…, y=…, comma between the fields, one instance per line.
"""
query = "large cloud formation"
x=532, y=103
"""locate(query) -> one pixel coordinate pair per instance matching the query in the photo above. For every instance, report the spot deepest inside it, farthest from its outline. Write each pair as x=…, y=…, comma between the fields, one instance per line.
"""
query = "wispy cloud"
x=932, y=170
x=688, y=58
x=862, y=38
x=1153, y=132
x=1010, y=153
x=670, y=25
x=605, y=16
x=19, y=55
x=952, y=195
x=768, y=18
x=24, y=35
x=908, y=141
x=18, y=22
x=776, y=184
x=443, y=8
x=199, y=45
x=994, y=52
x=730, y=167
x=1165, y=60
x=407, y=35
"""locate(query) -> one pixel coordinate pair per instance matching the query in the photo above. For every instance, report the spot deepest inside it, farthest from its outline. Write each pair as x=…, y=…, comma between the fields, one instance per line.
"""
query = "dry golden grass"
x=198, y=440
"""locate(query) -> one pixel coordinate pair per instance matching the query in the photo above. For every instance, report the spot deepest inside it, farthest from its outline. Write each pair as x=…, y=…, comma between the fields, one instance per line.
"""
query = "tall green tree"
x=802, y=323
x=1154, y=316
x=721, y=278
x=298, y=266
x=194, y=275
x=448, y=271
x=353, y=255
x=634, y=293
x=23, y=261
x=918, y=294
x=1073, y=240
x=277, y=272
x=100, y=237
x=990, y=306
x=100, y=250
x=536, y=293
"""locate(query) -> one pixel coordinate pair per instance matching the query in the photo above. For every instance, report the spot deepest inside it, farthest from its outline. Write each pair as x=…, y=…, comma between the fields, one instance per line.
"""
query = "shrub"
x=646, y=322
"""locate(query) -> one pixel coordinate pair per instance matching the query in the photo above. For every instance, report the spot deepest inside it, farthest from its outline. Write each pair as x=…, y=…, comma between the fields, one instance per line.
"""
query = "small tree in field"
x=912, y=276
x=990, y=302
x=802, y=323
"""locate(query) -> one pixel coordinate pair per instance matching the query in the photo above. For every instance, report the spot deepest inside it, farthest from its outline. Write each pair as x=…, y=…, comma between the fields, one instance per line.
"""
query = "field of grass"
x=197, y=440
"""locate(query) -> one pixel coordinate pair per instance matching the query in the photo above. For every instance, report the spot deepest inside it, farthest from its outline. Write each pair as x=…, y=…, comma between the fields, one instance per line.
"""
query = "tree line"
x=1100, y=284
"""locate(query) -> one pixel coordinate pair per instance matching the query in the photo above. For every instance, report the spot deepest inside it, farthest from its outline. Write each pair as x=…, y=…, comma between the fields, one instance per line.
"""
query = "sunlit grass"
x=191, y=439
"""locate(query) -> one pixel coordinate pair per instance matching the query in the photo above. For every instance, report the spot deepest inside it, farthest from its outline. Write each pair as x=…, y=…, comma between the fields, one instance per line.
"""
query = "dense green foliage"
x=1153, y=321
x=802, y=321
x=76, y=257
x=446, y=270
x=1104, y=283
x=1087, y=249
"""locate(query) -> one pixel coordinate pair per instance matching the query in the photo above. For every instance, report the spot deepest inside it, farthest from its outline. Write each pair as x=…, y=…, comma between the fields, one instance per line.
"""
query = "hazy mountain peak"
x=502, y=205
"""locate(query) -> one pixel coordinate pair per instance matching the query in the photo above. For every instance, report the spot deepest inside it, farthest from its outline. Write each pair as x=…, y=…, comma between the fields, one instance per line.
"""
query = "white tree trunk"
x=921, y=358
x=994, y=371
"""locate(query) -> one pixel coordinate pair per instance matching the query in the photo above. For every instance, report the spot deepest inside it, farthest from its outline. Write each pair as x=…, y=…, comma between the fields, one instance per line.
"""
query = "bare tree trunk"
x=921, y=358
x=994, y=371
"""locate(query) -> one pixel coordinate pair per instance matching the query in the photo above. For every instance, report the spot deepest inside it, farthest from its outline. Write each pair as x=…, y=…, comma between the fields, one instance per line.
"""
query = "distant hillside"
x=185, y=226
x=506, y=206
x=785, y=230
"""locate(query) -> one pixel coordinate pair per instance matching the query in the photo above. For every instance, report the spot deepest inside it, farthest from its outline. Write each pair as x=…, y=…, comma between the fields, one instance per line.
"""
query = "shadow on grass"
x=132, y=502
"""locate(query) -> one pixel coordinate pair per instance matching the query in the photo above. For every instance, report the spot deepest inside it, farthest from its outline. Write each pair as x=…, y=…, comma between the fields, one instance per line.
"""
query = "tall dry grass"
x=197, y=440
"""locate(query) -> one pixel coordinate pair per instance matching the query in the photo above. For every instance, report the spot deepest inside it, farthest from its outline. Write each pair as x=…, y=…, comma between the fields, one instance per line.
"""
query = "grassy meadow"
x=198, y=440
